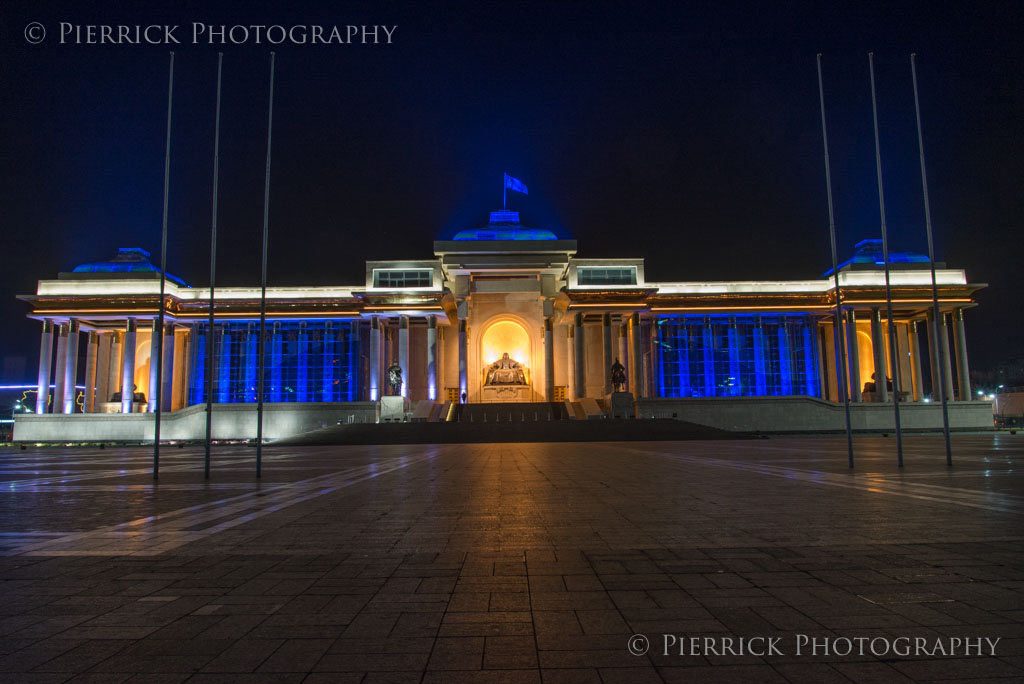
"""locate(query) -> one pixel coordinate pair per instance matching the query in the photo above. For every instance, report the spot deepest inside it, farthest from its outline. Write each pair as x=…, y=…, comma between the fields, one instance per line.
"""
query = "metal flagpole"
x=263, y=284
x=837, y=322
x=213, y=279
x=931, y=262
x=159, y=330
x=888, y=288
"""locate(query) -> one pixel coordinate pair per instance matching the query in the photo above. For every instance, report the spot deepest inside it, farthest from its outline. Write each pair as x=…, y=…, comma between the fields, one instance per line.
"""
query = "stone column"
x=638, y=385
x=252, y=361
x=353, y=378
x=878, y=350
x=302, y=364
x=128, y=367
x=624, y=354
x=933, y=357
x=167, y=379
x=708, y=340
x=103, y=369
x=570, y=375
x=963, y=373
x=656, y=363
x=852, y=355
x=549, y=359
x=606, y=350
x=59, y=369
x=947, y=366
x=580, y=358
x=915, y=360
x=463, y=358
x=809, y=364
x=733, y=337
x=786, y=360
x=375, y=344
x=825, y=360
x=760, y=385
x=154, y=352
x=432, y=359
x=45, y=359
x=186, y=362
x=403, y=352
x=71, y=367
x=326, y=389
x=91, y=353
x=442, y=368
x=276, y=346
x=115, y=365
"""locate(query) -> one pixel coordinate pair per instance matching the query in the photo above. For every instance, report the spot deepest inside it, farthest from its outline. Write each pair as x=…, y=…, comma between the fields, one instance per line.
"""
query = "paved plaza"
x=570, y=563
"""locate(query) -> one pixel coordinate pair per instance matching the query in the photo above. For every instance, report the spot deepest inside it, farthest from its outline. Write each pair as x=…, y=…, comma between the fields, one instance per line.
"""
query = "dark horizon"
x=689, y=137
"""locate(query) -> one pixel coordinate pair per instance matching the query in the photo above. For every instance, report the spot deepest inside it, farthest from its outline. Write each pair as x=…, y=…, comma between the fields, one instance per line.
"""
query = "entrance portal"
x=505, y=362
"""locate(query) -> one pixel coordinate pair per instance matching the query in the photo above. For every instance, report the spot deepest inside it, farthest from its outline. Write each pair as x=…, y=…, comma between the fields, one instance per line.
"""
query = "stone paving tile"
x=511, y=563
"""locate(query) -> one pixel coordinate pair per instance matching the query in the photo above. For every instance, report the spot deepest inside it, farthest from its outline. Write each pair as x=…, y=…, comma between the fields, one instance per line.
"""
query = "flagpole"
x=888, y=287
x=213, y=278
x=159, y=330
x=931, y=262
x=841, y=379
x=263, y=283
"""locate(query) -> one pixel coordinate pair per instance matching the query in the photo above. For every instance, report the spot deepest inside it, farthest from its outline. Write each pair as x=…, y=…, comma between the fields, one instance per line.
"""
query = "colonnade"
x=109, y=367
x=390, y=342
x=622, y=338
x=110, y=358
x=938, y=340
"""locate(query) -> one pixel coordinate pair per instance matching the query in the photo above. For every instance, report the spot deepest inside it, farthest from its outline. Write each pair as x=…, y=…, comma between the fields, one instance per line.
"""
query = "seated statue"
x=505, y=371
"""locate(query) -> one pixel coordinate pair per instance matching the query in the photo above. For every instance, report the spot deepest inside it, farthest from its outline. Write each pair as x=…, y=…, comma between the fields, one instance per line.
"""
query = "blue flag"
x=515, y=185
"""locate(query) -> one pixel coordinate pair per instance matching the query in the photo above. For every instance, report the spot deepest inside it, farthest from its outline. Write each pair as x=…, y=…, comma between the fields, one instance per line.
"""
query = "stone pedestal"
x=621, y=405
x=505, y=393
x=391, y=409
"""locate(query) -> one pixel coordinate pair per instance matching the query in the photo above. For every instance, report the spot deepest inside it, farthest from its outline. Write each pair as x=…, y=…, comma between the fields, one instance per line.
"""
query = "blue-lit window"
x=737, y=356
x=304, y=362
x=396, y=279
x=606, y=276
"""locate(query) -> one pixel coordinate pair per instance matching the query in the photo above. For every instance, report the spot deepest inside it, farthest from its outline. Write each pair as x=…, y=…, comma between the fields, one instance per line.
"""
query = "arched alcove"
x=505, y=336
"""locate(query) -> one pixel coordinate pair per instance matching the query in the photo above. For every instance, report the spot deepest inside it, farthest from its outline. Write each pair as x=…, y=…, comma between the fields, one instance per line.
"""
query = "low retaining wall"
x=230, y=421
x=807, y=414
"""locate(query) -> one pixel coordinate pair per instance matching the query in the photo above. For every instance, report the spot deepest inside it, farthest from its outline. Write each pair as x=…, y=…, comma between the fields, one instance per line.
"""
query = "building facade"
x=501, y=313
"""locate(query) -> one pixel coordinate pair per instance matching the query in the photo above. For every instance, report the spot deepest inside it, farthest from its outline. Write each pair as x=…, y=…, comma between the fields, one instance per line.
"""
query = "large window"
x=314, y=361
x=396, y=279
x=619, y=275
x=737, y=356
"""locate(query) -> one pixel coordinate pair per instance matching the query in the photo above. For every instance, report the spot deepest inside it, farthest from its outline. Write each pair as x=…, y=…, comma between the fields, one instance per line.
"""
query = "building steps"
x=465, y=432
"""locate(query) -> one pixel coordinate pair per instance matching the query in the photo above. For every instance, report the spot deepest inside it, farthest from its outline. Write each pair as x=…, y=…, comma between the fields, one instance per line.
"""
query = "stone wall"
x=807, y=414
x=230, y=421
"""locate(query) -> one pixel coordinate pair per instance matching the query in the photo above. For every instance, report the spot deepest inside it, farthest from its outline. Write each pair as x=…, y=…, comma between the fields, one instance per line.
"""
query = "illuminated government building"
x=499, y=314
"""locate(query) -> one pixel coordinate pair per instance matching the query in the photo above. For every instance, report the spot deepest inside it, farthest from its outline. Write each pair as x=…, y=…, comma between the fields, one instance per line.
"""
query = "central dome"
x=504, y=225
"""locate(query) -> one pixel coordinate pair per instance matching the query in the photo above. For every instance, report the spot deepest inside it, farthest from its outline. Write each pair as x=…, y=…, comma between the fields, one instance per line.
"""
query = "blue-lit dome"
x=128, y=260
x=868, y=254
x=504, y=225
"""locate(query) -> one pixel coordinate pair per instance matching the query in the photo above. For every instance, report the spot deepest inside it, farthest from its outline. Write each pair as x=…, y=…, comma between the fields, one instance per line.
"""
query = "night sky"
x=685, y=134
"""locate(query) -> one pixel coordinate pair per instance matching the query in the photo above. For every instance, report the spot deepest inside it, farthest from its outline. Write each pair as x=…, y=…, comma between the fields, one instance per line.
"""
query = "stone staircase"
x=505, y=413
x=527, y=430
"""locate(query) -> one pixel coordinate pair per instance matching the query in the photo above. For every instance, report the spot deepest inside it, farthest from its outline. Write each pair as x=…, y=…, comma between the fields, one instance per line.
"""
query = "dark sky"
x=685, y=133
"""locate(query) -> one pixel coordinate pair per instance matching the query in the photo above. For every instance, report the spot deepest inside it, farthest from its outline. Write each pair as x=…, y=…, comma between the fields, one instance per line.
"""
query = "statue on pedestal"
x=505, y=371
x=618, y=376
x=395, y=378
